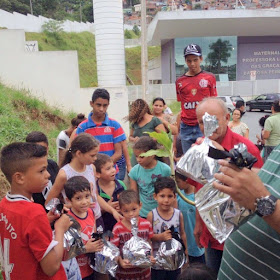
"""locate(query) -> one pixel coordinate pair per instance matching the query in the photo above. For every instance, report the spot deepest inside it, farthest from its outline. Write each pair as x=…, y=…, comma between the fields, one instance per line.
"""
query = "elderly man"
x=227, y=139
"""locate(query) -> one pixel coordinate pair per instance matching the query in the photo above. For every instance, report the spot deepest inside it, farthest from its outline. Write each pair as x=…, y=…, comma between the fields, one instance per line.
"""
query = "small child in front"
x=108, y=187
x=78, y=193
x=162, y=218
x=130, y=207
x=196, y=254
x=28, y=250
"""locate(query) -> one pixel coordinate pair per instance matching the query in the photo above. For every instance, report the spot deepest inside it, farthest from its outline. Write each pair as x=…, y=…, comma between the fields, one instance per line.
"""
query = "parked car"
x=262, y=102
x=230, y=101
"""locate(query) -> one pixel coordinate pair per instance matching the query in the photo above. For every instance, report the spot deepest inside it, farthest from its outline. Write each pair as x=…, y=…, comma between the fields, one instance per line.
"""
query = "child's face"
x=182, y=184
x=80, y=202
x=99, y=107
x=36, y=177
x=130, y=210
x=108, y=171
x=143, y=161
x=165, y=199
x=89, y=157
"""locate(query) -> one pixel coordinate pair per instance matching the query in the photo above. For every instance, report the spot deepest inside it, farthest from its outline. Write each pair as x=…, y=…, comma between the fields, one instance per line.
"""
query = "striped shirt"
x=253, y=251
x=109, y=132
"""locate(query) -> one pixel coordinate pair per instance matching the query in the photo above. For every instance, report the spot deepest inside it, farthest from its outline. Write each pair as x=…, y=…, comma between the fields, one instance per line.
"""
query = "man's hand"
x=243, y=185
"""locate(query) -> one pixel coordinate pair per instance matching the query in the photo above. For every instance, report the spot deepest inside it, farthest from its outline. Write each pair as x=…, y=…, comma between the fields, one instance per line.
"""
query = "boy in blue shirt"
x=196, y=254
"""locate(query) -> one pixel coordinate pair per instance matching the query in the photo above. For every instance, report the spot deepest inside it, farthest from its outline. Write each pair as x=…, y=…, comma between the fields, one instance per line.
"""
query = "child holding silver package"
x=130, y=206
x=77, y=190
x=164, y=217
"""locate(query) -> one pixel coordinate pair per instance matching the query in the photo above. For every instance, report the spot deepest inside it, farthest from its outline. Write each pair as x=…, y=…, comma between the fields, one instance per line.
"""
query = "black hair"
x=180, y=176
x=77, y=120
x=100, y=93
x=101, y=160
x=76, y=184
x=262, y=120
x=36, y=137
x=198, y=271
x=128, y=196
x=84, y=143
x=239, y=103
x=276, y=105
x=164, y=183
x=17, y=157
x=159, y=99
x=145, y=143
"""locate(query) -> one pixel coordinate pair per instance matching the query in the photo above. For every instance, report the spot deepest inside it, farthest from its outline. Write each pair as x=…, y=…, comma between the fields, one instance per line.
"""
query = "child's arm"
x=183, y=234
x=126, y=155
x=50, y=263
x=107, y=208
x=57, y=186
x=118, y=152
x=133, y=185
x=160, y=236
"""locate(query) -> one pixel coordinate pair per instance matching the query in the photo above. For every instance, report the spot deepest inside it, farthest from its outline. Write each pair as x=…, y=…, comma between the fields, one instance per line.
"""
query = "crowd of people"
x=93, y=160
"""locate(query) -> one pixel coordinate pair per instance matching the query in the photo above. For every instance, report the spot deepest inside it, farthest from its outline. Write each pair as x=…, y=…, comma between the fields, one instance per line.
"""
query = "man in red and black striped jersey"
x=191, y=88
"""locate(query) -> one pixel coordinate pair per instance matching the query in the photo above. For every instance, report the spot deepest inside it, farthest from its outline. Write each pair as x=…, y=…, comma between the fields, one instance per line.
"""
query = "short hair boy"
x=109, y=188
x=39, y=138
x=25, y=234
x=78, y=193
x=196, y=253
x=130, y=207
x=163, y=218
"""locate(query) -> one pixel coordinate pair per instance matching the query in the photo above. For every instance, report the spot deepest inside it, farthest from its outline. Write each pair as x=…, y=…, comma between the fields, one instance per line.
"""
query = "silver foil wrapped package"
x=219, y=212
x=137, y=250
x=55, y=206
x=73, y=243
x=170, y=255
x=106, y=259
x=195, y=163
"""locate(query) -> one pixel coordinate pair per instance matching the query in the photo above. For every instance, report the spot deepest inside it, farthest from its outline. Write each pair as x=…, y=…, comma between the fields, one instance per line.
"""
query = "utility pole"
x=144, y=52
x=31, y=8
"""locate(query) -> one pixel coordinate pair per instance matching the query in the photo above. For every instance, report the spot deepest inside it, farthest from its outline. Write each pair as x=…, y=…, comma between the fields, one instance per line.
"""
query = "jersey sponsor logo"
x=190, y=105
x=107, y=129
x=179, y=85
x=203, y=83
x=194, y=91
x=5, y=264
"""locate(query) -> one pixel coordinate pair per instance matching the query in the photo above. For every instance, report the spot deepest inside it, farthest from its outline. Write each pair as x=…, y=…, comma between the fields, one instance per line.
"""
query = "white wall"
x=52, y=76
x=30, y=23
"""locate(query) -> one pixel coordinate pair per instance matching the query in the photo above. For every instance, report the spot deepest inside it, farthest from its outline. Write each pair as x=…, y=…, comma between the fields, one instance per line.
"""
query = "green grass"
x=84, y=43
x=20, y=114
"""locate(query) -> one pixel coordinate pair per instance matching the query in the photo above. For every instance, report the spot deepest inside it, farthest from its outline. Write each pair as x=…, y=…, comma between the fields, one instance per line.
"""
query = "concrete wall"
x=52, y=76
x=32, y=23
x=168, y=74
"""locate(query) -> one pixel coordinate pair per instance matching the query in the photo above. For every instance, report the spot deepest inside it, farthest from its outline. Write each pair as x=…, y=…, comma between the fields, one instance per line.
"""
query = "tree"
x=136, y=30
x=220, y=52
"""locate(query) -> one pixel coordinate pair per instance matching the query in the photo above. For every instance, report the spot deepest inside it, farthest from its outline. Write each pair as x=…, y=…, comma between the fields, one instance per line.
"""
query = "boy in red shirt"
x=28, y=250
x=77, y=190
x=130, y=206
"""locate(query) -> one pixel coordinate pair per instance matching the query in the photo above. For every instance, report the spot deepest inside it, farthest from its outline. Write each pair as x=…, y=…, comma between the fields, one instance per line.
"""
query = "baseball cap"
x=193, y=49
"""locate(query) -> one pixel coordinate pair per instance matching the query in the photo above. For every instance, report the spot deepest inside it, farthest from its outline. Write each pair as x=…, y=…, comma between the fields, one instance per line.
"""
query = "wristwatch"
x=266, y=205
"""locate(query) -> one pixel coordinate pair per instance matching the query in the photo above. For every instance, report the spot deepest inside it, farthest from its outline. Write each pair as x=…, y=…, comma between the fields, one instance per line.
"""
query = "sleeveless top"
x=88, y=174
x=160, y=225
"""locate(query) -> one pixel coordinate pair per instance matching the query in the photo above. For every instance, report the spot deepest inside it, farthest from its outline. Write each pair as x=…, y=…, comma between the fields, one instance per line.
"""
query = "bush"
x=136, y=30
x=52, y=26
x=127, y=34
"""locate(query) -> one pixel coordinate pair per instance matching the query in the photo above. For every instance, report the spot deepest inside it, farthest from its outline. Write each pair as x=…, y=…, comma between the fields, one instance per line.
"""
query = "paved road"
x=252, y=120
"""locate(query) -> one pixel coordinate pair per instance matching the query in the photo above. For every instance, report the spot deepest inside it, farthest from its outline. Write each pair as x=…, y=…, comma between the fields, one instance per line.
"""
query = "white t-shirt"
x=167, y=111
x=62, y=142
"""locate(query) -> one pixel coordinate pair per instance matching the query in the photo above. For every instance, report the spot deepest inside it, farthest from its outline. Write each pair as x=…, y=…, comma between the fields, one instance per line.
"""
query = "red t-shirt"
x=228, y=142
x=121, y=235
x=191, y=90
x=87, y=226
x=26, y=237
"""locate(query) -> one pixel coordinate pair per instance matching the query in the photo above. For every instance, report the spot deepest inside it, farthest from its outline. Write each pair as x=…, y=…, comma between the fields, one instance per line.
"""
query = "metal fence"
x=246, y=89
